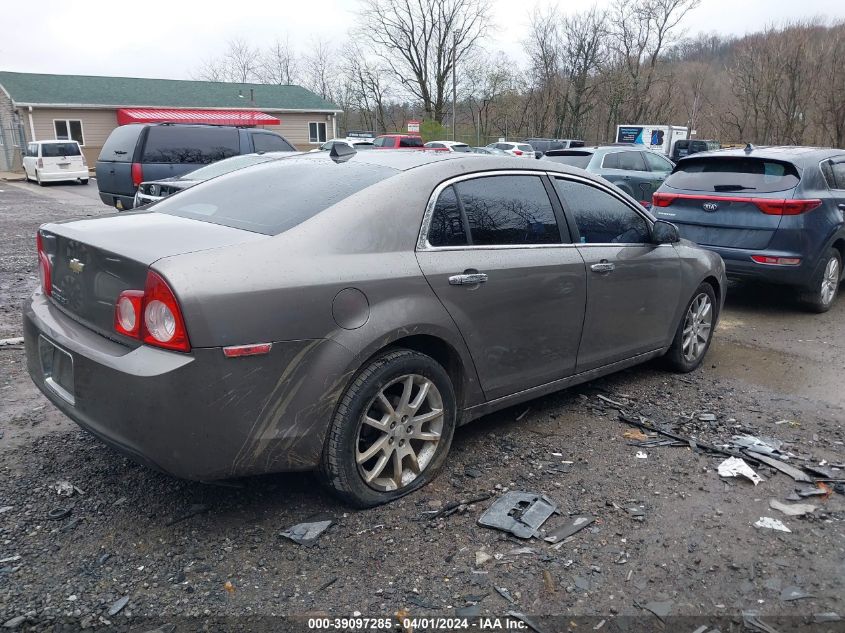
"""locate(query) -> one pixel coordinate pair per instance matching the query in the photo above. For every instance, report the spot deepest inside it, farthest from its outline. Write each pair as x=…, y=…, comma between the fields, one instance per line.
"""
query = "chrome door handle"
x=603, y=267
x=467, y=279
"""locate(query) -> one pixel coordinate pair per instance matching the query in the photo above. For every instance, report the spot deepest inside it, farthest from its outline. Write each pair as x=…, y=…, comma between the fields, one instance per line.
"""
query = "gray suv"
x=136, y=153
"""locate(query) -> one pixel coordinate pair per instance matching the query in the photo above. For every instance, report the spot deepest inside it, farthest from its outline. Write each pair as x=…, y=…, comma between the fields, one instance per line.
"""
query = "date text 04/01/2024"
x=353, y=624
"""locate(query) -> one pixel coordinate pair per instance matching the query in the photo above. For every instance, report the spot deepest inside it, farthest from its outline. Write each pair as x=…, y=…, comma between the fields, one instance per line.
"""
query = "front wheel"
x=821, y=293
x=695, y=331
x=391, y=431
x=83, y=181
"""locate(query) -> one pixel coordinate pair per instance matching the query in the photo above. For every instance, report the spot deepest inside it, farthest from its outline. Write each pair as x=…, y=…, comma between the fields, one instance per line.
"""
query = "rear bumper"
x=198, y=416
x=64, y=174
x=111, y=199
x=739, y=265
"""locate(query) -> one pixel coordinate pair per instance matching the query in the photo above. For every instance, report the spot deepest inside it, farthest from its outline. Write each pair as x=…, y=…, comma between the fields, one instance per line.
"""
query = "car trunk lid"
x=93, y=261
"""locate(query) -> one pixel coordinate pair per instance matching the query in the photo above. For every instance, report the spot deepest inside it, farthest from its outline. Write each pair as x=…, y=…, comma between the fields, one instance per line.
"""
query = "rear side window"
x=601, y=218
x=54, y=150
x=270, y=143
x=834, y=173
x=410, y=141
x=657, y=163
x=730, y=173
x=199, y=145
x=576, y=159
x=275, y=196
x=120, y=145
x=447, y=224
x=630, y=161
x=504, y=210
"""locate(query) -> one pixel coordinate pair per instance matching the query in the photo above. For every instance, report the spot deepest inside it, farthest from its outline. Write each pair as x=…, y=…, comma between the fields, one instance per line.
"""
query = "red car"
x=398, y=141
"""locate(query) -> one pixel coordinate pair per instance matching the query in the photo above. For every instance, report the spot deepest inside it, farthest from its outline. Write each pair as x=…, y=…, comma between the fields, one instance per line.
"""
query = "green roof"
x=87, y=90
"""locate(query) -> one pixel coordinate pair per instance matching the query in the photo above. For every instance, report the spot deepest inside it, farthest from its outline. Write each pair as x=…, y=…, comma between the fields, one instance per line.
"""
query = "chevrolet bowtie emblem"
x=76, y=266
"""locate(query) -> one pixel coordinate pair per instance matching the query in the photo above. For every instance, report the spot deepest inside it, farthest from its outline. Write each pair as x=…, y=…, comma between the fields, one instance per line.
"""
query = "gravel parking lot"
x=670, y=535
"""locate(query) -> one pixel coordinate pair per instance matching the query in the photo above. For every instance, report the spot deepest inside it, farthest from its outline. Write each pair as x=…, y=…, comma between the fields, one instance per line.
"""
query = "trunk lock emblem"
x=75, y=266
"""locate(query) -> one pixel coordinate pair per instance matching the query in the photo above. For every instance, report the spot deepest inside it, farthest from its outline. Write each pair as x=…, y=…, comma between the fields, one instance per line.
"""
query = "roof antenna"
x=341, y=152
x=749, y=148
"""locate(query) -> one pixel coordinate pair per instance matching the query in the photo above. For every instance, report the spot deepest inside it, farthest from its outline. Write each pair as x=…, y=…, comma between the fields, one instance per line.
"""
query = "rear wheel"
x=391, y=431
x=822, y=290
x=695, y=331
x=83, y=181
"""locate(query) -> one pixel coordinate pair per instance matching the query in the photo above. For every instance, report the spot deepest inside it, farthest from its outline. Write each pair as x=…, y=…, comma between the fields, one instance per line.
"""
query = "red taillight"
x=776, y=261
x=769, y=206
x=137, y=174
x=517, y=152
x=40, y=163
x=45, y=269
x=152, y=315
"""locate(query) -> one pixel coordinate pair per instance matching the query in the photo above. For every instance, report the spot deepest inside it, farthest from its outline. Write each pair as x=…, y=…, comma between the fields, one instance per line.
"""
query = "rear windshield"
x=460, y=148
x=53, y=150
x=410, y=141
x=728, y=173
x=273, y=197
x=576, y=159
x=225, y=166
x=120, y=145
x=176, y=144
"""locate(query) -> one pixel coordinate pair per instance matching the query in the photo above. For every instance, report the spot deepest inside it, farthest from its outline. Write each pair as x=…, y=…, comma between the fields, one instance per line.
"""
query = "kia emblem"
x=710, y=207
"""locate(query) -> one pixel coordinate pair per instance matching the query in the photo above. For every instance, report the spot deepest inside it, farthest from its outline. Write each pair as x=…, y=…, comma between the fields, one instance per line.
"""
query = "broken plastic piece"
x=792, y=509
x=752, y=620
x=735, y=467
x=786, y=469
x=766, y=445
x=794, y=593
x=771, y=524
x=576, y=524
x=520, y=513
x=307, y=533
x=660, y=609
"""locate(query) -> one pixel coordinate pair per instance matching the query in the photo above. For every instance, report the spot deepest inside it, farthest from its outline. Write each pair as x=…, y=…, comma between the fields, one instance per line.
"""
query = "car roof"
x=55, y=140
x=793, y=153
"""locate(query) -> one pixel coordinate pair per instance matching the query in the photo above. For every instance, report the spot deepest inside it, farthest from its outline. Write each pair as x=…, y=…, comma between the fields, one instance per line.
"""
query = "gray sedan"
x=345, y=312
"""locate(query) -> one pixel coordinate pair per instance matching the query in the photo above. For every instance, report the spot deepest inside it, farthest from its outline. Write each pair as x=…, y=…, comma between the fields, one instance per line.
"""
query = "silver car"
x=345, y=312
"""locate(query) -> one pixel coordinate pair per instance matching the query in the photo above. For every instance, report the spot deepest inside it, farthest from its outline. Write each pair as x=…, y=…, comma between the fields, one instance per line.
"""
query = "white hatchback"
x=520, y=150
x=54, y=161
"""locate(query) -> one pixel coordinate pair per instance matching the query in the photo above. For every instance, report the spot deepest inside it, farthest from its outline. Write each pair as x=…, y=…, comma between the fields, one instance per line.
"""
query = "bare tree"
x=419, y=39
x=279, y=64
x=239, y=64
x=319, y=68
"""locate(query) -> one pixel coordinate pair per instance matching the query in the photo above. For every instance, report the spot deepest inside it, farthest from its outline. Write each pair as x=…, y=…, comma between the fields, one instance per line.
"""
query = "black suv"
x=138, y=152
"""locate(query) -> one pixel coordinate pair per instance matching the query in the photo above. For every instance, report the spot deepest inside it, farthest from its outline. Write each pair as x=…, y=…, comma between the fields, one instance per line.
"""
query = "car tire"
x=692, y=340
x=377, y=393
x=820, y=295
x=83, y=181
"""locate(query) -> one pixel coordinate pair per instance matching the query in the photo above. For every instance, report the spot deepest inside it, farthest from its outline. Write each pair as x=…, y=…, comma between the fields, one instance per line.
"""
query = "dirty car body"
x=289, y=277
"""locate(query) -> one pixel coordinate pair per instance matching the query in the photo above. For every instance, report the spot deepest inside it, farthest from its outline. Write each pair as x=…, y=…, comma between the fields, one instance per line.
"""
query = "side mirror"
x=663, y=232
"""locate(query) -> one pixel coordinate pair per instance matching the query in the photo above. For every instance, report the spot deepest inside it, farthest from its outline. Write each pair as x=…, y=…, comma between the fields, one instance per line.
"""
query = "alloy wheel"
x=830, y=281
x=697, y=326
x=399, y=432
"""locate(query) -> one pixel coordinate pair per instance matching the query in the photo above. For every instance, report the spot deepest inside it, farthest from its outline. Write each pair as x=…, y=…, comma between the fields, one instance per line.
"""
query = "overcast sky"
x=169, y=39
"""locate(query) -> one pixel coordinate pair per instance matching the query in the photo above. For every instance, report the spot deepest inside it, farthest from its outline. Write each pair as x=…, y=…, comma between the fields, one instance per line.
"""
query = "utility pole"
x=454, y=83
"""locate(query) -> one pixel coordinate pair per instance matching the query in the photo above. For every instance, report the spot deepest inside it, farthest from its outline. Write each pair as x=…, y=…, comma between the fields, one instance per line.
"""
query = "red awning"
x=179, y=115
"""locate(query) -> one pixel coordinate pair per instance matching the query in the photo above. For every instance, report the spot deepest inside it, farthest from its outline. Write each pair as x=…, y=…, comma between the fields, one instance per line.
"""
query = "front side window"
x=195, y=145
x=601, y=218
x=503, y=210
x=270, y=143
x=68, y=130
x=447, y=223
x=316, y=132
x=657, y=163
x=629, y=161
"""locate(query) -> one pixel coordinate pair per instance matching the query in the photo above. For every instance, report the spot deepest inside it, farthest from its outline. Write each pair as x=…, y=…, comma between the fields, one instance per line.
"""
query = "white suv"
x=54, y=161
x=520, y=150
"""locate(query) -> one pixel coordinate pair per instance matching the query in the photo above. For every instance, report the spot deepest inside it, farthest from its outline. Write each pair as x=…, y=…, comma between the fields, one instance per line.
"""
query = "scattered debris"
x=327, y=584
x=794, y=593
x=827, y=616
x=607, y=400
x=10, y=559
x=766, y=445
x=634, y=434
x=771, y=524
x=229, y=586
x=502, y=591
x=18, y=340
x=14, y=622
x=736, y=467
x=523, y=414
x=66, y=489
x=707, y=417
x=192, y=511
x=453, y=506
x=307, y=533
x=660, y=609
x=599, y=625
x=117, y=607
x=548, y=582
x=525, y=620
x=56, y=514
x=820, y=490
x=576, y=524
x=793, y=510
x=783, y=467
x=520, y=513
x=641, y=455
x=752, y=620
x=482, y=557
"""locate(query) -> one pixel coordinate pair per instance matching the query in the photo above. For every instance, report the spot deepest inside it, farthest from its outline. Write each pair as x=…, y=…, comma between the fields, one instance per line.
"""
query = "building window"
x=316, y=132
x=69, y=130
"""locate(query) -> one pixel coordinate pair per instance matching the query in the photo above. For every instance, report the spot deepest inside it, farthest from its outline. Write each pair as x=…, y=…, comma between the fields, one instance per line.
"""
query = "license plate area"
x=57, y=367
